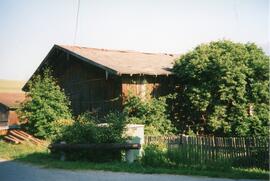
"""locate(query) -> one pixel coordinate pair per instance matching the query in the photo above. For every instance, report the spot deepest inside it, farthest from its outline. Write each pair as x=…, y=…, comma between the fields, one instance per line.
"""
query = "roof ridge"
x=117, y=50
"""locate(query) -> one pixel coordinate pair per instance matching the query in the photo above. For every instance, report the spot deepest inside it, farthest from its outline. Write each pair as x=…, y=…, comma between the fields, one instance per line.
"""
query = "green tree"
x=223, y=89
x=45, y=104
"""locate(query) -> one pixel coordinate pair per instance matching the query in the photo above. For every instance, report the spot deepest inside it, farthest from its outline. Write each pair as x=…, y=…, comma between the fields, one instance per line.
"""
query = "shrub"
x=150, y=112
x=86, y=130
x=45, y=103
x=256, y=155
x=155, y=155
x=113, y=132
x=195, y=156
x=177, y=156
x=58, y=127
x=83, y=130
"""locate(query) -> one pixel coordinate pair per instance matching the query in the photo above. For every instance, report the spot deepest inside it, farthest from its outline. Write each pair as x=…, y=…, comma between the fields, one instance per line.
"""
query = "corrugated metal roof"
x=125, y=62
x=11, y=100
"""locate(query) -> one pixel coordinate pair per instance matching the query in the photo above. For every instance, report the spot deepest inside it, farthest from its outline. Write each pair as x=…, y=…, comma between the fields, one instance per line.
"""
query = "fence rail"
x=238, y=151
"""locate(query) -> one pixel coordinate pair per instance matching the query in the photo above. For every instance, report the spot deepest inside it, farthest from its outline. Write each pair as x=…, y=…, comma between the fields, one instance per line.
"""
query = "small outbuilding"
x=98, y=80
x=9, y=102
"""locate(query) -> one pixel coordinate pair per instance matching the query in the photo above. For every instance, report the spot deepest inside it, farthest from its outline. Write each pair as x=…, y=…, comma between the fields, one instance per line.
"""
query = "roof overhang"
x=57, y=47
x=5, y=106
x=88, y=61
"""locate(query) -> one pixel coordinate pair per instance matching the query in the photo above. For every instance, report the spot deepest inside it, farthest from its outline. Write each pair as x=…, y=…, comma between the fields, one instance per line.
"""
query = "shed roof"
x=125, y=62
x=11, y=100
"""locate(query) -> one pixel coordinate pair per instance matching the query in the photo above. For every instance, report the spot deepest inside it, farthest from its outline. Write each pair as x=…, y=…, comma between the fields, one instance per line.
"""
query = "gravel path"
x=15, y=171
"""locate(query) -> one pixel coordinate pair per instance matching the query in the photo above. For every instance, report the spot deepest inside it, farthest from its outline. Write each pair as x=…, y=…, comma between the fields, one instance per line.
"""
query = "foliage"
x=58, y=127
x=190, y=156
x=83, y=130
x=223, y=90
x=157, y=155
x=87, y=129
x=150, y=112
x=208, y=151
x=45, y=103
x=258, y=155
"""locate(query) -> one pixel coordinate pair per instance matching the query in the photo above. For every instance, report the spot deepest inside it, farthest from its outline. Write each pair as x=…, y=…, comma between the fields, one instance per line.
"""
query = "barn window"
x=3, y=116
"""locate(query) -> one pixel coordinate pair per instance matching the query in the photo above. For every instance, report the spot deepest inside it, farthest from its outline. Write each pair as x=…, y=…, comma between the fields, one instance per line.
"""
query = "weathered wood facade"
x=87, y=86
x=142, y=85
x=97, y=88
x=8, y=117
x=9, y=102
x=3, y=115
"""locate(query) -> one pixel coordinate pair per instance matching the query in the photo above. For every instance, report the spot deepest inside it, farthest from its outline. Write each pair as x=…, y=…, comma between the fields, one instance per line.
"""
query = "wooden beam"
x=107, y=74
x=68, y=56
x=102, y=146
x=11, y=139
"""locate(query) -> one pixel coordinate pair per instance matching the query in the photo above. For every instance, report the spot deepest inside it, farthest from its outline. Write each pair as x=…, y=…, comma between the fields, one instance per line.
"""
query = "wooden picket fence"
x=245, y=152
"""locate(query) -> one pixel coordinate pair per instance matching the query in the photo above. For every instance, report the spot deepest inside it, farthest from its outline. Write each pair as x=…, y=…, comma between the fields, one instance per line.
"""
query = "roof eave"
x=6, y=106
x=42, y=63
x=75, y=55
x=147, y=74
x=88, y=60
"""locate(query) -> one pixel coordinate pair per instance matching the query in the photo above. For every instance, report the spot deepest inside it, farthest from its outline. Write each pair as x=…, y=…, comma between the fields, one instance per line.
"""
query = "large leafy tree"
x=45, y=104
x=223, y=89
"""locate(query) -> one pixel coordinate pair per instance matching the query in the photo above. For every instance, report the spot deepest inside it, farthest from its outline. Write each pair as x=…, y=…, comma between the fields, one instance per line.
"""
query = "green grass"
x=11, y=85
x=40, y=156
x=13, y=151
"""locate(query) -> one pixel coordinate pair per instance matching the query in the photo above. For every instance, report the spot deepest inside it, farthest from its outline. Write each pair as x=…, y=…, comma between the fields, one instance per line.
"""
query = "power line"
x=77, y=22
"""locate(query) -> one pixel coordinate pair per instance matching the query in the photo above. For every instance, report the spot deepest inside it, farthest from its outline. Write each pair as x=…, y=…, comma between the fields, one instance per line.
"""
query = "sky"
x=29, y=28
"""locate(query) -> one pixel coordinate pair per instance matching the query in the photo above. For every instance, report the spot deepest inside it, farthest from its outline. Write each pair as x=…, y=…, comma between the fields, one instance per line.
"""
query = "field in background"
x=11, y=85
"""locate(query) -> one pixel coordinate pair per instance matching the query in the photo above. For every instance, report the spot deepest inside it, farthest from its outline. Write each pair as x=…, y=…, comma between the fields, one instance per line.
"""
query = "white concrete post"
x=136, y=132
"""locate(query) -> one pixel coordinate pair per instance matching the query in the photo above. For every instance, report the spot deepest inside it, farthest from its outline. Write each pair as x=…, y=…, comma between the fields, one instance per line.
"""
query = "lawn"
x=40, y=156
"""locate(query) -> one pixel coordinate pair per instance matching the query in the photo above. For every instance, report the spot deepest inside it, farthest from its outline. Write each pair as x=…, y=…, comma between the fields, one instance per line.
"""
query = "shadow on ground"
x=48, y=161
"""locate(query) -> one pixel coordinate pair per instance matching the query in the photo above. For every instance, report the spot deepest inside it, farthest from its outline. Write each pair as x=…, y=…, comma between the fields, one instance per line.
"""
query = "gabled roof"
x=117, y=61
x=124, y=62
x=11, y=100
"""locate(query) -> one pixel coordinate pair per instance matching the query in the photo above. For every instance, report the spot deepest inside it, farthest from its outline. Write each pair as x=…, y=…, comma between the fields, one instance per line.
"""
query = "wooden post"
x=63, y=155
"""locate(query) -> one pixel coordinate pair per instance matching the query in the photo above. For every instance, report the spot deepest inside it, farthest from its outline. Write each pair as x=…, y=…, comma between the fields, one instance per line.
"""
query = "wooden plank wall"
x=13, y=118
x=89, y=89
x=3, y=114
x=146, y=85
x=87, y=86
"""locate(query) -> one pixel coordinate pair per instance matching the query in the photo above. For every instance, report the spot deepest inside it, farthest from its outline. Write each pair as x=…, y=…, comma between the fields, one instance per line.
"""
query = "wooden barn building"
x=99, y=79
x=9, y=102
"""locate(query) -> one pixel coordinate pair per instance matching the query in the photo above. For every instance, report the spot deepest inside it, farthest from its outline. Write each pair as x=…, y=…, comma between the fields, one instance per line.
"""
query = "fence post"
x=63, y=155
